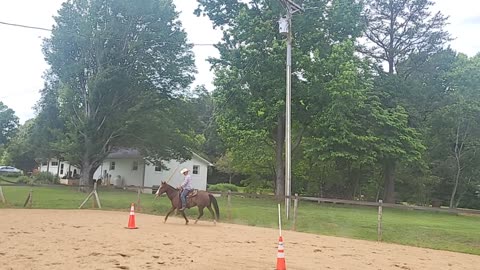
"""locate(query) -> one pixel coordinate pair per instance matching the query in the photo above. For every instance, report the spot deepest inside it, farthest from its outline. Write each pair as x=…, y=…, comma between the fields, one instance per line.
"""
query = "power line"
x=50, y=30
x=26, y=26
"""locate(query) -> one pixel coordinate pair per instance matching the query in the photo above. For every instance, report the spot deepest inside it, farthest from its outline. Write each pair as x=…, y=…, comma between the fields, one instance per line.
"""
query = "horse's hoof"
x=214, y=222
x=196, y=221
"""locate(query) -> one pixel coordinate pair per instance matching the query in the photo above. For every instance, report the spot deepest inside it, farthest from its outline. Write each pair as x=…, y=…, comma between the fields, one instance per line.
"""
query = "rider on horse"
x=186, y=187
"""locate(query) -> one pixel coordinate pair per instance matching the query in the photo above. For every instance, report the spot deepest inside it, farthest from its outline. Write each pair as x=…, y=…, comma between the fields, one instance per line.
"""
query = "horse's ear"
x=163, y=182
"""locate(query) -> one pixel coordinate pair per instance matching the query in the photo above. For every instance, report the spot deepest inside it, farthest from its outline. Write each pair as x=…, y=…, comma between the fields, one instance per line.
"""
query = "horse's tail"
x=215, y=205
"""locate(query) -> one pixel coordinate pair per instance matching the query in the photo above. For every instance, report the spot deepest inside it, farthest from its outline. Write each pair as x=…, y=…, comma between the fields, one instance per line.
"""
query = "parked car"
x=9, y=170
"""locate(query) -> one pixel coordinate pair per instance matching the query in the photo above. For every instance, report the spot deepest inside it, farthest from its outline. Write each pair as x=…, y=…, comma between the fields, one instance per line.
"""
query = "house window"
x=196, y=169
x=112, y=165
x=158, y=166
x=54, y=163
x=44, y=163
x=135, y=165
x=61, y=168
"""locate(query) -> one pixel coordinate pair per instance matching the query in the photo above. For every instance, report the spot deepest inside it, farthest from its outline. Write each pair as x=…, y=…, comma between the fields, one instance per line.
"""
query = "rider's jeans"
x=183, y=196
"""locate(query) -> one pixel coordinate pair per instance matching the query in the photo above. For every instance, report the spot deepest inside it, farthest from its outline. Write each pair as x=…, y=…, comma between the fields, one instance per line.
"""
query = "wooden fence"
x=296, y=201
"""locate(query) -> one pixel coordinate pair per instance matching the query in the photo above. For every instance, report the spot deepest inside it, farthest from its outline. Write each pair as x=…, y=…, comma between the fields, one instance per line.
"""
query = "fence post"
x=295, y=210
x=29, y=199
x=2, y=196
x=379, y=225
x=138, y=200
x=229, y=204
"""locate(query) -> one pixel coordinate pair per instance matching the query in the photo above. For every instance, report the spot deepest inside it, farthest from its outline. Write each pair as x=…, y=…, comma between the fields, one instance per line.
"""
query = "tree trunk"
x=58, y=168
x=85, y=178
x=458, y=152
x=355, y=176
x=389, y=178
x=279, y=161
x=455, y=187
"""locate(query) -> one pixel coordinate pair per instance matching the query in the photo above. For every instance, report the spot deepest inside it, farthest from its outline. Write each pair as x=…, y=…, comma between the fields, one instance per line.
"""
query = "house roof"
x=124, y=153
x=121, y=153
x=202, y=159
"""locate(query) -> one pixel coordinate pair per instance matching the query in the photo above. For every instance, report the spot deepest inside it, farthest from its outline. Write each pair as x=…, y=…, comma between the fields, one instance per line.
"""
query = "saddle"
x=191, y=194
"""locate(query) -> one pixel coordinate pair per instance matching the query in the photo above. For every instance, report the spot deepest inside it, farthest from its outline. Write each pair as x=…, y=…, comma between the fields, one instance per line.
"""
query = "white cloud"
x=22, y=63
x=464, y=23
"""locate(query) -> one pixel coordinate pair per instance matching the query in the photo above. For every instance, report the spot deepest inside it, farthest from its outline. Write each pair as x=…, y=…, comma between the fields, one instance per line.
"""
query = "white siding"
x=58, y=168
x=124, y=170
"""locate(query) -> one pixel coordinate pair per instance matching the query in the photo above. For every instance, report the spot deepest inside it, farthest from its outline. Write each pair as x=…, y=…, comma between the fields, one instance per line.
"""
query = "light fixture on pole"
x=285, y=27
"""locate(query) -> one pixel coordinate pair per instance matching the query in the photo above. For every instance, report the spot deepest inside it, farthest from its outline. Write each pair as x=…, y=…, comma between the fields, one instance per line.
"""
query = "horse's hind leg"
x=168, y=214
x=213, y=214
x=200, y=214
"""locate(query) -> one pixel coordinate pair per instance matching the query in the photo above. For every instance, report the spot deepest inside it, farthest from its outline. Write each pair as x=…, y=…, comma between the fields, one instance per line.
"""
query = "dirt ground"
x=92, y=239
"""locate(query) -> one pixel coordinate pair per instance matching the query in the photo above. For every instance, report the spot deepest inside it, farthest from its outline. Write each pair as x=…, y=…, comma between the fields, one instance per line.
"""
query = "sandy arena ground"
x=91, y=239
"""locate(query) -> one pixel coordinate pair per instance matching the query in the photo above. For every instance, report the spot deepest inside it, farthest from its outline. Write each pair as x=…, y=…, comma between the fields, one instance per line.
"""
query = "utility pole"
x=285, y=27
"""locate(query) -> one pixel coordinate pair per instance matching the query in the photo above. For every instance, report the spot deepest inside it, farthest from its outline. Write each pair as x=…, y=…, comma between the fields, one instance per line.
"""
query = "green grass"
x=408, y=227
x=8, y=179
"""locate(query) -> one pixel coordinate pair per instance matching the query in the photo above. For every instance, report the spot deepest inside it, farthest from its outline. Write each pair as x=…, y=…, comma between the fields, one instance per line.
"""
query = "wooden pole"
x=295, y=209
x=29, y=199
x=379, y=225
x=2, y=197
x=229, y=204
x=279, y=221
x=138, y=200
x=86, y=199
x=96, y=198
x=30, y=202
x=96, y=195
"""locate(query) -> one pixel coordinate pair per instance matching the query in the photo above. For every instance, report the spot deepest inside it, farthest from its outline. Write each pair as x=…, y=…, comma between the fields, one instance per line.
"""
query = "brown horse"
x=202, y=199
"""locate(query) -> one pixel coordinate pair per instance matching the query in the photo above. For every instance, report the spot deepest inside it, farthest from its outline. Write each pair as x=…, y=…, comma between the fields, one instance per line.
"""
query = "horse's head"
x=163, y=188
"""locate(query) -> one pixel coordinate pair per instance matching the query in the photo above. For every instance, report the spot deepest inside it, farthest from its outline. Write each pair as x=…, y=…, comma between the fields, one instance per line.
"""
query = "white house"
x=127, y=167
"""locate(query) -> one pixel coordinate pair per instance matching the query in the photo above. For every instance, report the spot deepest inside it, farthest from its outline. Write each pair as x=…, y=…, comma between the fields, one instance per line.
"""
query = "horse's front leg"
x=200, y=214
x=185, y=217
x=168, y=214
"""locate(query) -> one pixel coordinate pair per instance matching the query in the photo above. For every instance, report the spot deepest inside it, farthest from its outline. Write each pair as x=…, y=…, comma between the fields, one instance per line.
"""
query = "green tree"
x=20, y=151
x=398, y=30
x=122, y=66
x=202, y=106
x=353, y=128
x=455, y=132
x=226, y=165
x=250, y=76
x=8, y=124
x=48, y=129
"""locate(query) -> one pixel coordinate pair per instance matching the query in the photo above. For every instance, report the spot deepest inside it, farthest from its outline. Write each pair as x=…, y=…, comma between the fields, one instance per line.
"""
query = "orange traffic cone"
x=131, y=220
x=281, y=255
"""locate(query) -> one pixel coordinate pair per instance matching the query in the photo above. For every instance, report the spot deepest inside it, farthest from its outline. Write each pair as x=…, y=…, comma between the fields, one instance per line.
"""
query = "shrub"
x=24, y=180
x=257, y=185
x=223, y=187
x=46, y=178
x=12, y=174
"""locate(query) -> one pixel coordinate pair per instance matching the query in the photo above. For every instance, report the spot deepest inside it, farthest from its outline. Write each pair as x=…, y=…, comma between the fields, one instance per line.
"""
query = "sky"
x=22, y=63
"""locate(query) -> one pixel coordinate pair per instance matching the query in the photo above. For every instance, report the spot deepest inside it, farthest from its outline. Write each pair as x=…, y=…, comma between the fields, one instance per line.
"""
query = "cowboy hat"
x=184, y=170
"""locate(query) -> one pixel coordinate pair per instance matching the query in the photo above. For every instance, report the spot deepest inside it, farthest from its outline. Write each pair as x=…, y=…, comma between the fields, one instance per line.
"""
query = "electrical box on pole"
x=283, y=26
